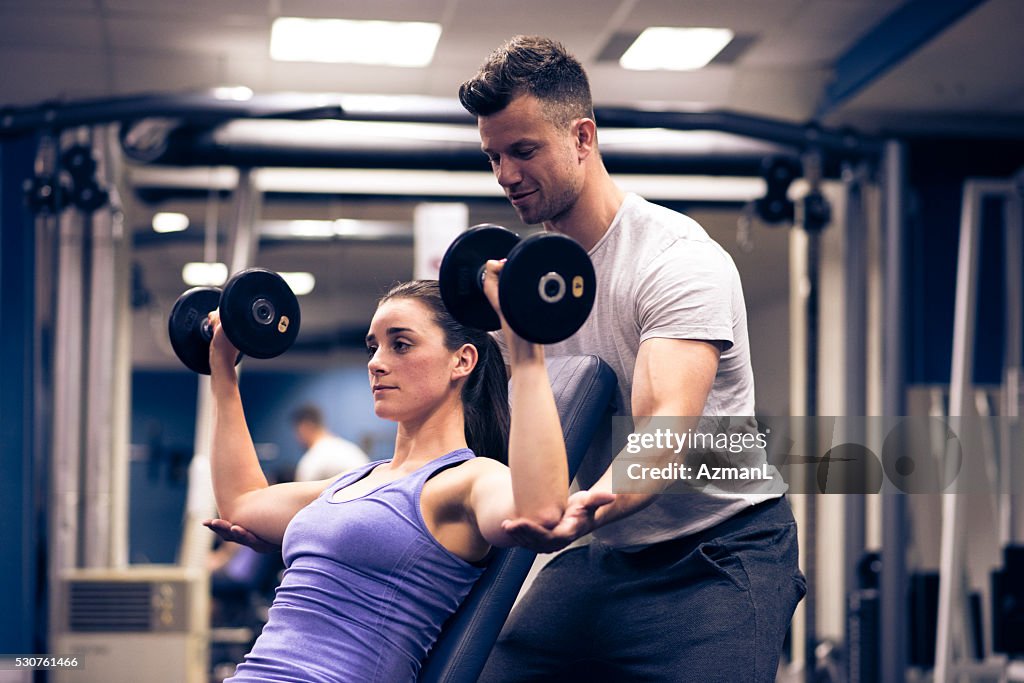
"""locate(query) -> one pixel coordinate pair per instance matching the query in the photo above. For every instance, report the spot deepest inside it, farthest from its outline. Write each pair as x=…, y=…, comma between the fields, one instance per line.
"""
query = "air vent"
x=103, y=606
x=124, y=606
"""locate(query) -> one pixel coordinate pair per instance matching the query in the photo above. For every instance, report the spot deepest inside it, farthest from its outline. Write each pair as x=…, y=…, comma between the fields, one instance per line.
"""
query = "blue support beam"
x=21, y=525
x=889, y=43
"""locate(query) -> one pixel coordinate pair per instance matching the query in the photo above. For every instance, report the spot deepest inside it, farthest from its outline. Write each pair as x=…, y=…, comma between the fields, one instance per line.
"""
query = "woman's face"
x=411, y=371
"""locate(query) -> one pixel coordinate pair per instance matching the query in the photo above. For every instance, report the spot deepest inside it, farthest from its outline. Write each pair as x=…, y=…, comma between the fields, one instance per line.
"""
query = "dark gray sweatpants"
x=710, y=607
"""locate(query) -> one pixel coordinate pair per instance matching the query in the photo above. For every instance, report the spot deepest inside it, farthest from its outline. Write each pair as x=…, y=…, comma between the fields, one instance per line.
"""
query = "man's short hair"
x=308, y=413
x=530, y=65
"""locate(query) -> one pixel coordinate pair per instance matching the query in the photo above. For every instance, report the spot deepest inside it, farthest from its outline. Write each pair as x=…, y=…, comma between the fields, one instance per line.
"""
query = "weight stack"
x=1008, y=603
x=862, y=629
x=924, y=618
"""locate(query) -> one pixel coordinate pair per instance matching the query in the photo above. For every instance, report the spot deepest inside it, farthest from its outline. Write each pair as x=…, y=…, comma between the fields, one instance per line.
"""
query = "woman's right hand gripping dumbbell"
x=223, y=354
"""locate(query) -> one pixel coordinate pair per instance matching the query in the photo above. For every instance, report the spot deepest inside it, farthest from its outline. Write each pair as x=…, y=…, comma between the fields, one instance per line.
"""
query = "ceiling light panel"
x=675, y=49
x=385, y=43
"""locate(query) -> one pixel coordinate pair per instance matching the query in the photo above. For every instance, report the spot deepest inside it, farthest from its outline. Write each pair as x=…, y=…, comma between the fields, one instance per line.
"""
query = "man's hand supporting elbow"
x=672, y=378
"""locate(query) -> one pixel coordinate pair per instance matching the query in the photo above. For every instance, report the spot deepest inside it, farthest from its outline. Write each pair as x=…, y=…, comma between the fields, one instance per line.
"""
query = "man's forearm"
x=632, y=501
x=624, y=505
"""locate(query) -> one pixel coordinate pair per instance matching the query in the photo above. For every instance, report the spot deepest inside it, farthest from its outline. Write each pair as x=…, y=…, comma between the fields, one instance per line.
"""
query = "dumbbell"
x=546, y=288
x=258, y=310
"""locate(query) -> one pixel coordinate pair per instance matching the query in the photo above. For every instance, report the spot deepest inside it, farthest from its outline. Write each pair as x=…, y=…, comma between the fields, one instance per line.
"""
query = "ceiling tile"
x=973, y=66
x=51, y=75
x=140, y=73
x=709, y=86
x=786, y=93
x=207, y=8
x=83, y=6
x=742, y=16
x=190, y=35
x=817, y=34
x=346, y=78
x=409, y=10
x=43, y=29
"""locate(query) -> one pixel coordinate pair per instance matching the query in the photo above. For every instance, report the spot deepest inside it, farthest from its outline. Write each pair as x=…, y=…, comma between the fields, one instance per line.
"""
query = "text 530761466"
x=32, y=662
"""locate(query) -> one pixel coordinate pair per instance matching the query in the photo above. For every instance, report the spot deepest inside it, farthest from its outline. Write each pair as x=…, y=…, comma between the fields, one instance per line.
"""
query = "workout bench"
x=584, y=389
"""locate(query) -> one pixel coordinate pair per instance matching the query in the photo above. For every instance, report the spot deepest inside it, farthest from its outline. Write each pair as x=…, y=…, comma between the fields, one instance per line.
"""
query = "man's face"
x=534, y=160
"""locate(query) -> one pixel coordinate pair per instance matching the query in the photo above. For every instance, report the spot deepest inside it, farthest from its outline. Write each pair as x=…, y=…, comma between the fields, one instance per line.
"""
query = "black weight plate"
x=547, y=288
x=260, y=313
x=460, y=273
x=185, y=327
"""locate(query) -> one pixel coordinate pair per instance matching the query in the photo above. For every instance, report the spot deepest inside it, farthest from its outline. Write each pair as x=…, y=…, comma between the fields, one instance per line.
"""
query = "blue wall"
x=163, y=430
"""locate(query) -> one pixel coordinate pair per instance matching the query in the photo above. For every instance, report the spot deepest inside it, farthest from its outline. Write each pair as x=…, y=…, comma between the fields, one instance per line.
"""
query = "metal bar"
x=112, y=167
x=209, y=109
x=196, y=108
x=245, y=213
x=855, y=381
x=811, y=310
x=361, y=144
x=66, y=425
x=99, y=441
x=67, y=418
x=889, y=43
x=780, y=132
x=98, y=376
x=108, y=378
x=892, y=585
x=949, y=640
x=1012, y=368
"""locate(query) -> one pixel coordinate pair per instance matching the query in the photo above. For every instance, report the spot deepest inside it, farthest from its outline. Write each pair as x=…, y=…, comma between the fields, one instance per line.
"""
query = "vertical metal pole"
x=104, y=507
x=892, y=586
x=797, y=400
x=812, y=290
x=1014, y=241
x=66, y=426
x=99, y=374
x=855, y=381
x=196, y=540
x=811, y=308
x=47, y=253
x=122, y=351
x=245, y=214
x=949, y=640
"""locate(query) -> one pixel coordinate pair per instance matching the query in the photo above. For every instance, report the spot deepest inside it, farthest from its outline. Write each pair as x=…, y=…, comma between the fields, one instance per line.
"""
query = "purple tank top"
x=366, y=587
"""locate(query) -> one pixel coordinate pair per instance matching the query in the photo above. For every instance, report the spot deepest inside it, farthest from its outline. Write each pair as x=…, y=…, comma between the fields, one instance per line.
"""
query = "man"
x=326, y=455
x=687, y=587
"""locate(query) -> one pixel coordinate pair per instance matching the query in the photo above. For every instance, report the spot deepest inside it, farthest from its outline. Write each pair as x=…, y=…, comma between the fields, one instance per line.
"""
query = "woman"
x=379, y=558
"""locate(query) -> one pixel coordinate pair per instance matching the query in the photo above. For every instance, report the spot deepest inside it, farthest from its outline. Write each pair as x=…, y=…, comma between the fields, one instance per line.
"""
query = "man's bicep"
x=673, y=376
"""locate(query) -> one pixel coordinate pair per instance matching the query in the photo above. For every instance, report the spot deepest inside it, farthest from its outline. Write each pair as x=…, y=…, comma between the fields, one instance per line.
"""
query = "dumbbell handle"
x=551, y=287
x=206, y=332
x=262, y=311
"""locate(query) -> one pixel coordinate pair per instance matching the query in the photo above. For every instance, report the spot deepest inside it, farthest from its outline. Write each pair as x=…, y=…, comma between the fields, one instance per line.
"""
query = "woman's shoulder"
x=468, y=471
x=457, y=481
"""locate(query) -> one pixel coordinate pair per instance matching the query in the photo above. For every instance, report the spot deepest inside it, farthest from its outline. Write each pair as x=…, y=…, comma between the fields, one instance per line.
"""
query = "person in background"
x=327, y=455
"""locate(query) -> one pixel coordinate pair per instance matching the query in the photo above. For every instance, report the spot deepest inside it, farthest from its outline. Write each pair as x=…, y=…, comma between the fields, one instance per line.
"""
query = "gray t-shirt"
x=659, y=275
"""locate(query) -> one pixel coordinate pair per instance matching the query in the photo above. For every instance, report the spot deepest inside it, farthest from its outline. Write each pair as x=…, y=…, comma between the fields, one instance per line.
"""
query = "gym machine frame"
x=951, y=640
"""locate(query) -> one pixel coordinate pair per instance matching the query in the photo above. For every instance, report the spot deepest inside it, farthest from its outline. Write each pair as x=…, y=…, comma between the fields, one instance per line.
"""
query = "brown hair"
x=530, y=65
x=308, y=413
